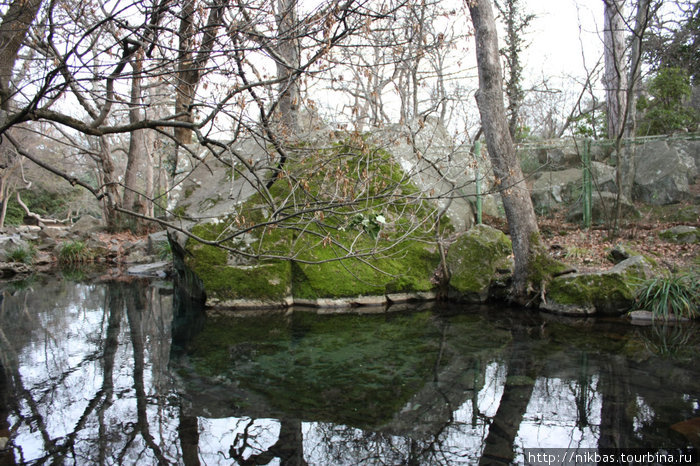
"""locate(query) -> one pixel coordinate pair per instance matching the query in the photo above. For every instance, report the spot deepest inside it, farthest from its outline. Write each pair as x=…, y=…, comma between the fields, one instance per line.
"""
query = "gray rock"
x=10, y=242
x=663, y=173
x=12, y=269
x=211, y=191
x=648, y=316
x=559, y=158
x=157, y=241
x=681, y=234
x=155, y=269
x=565, y=186
x=603, y=208
x=619, y=253
x=437, y=167
x=85, y=225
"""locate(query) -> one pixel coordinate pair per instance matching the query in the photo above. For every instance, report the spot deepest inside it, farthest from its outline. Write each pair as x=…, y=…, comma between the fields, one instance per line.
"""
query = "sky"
x=559, y=32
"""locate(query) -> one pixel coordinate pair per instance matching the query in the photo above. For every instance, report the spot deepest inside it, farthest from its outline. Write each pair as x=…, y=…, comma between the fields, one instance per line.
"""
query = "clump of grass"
x=576, y=253
x=22, y=254
x=164, y=251
x=74, y=252
x=677, y=295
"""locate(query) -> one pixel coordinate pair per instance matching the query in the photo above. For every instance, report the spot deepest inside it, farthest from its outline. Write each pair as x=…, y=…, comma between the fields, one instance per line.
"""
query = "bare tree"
x=506, y=166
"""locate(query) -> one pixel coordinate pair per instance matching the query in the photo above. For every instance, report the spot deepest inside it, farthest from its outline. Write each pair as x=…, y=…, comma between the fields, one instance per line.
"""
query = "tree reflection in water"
x=74, y=372
x=105, y=374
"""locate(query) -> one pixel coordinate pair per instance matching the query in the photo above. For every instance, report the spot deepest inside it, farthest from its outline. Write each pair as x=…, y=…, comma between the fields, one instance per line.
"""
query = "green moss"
x=608, y=293
x=474, y=258
x=543, y=268
x=407, y=267
x=267, y=280
x=356, y=177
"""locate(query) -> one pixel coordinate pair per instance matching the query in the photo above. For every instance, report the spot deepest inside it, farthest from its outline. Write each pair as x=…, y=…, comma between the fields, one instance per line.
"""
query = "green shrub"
x=22, y=254
x=675, y=295
x=74, y=252
x=667, y=111
x=164, y=251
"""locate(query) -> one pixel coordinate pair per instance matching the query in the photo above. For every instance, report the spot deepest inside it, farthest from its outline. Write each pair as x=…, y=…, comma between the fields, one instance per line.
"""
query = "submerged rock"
x=474, y=262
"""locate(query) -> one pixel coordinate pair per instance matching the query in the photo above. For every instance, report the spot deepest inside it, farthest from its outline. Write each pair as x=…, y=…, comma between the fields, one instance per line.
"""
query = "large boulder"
x=334, y=257
x=428, y=155
x=663, y=173
x=609, y=292
x=559, y=158
x=475, y=260
x=603, y=208
x=86, y=225
x=565, y=186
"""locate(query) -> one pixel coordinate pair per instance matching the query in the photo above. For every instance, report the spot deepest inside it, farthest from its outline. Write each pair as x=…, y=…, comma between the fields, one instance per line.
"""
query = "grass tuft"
x=75, y=252
x=677, y=295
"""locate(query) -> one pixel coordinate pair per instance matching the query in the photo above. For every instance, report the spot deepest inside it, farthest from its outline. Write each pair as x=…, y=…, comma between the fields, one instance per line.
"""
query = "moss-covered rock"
x=325, y=234
x=230, y=284
x=609, y=292
x=681, y=234
x=474, y=260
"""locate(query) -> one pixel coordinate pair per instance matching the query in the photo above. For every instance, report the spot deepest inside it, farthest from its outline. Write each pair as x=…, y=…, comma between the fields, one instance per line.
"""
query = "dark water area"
x=124, y=373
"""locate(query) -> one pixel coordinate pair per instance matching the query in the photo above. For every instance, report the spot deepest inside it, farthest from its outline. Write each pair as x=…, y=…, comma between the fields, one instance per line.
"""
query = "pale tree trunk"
x=288, y=63
x=615, y=78
x=14, y=27
x=615, y=82
x=520, y=214
x=627, y=165
x=620, y=90
x=135, y=164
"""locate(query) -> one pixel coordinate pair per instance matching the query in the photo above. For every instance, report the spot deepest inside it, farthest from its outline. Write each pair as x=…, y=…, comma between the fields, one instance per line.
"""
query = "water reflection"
x=110, y=373
x=85, y=371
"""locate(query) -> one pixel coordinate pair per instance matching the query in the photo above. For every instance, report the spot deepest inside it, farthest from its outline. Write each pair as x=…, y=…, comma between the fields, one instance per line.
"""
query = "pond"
x=124, y=372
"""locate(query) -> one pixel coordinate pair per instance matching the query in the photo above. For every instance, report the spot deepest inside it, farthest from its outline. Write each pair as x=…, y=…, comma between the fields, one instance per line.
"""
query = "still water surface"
x=123, y=373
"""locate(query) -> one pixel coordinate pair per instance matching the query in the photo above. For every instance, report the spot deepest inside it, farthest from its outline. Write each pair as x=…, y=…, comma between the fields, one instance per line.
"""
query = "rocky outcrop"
x=552, y=188
x=609, y=292
x=603, y=208
x=475, y=262
x=663, y=173
x=428, y=155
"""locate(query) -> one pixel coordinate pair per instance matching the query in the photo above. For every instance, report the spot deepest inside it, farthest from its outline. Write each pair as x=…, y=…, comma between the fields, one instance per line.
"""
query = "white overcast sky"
x=558, y=33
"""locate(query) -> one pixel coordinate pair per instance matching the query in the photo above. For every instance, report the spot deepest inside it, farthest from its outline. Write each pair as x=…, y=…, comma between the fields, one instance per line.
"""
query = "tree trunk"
x=489, y=98
x=190, y=68
x=13, y=29
x=288, y=49
x=137, y=146
x=615, y=78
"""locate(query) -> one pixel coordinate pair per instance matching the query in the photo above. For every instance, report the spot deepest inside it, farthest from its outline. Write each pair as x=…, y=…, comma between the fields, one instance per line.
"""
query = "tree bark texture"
x=615, y=77
x=288, y=62
x=489, y=98
x=13, y=30
x=135, y=164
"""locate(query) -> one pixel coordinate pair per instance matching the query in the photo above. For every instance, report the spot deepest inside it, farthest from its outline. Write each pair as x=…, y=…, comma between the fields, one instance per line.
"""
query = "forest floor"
x=587, y=249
